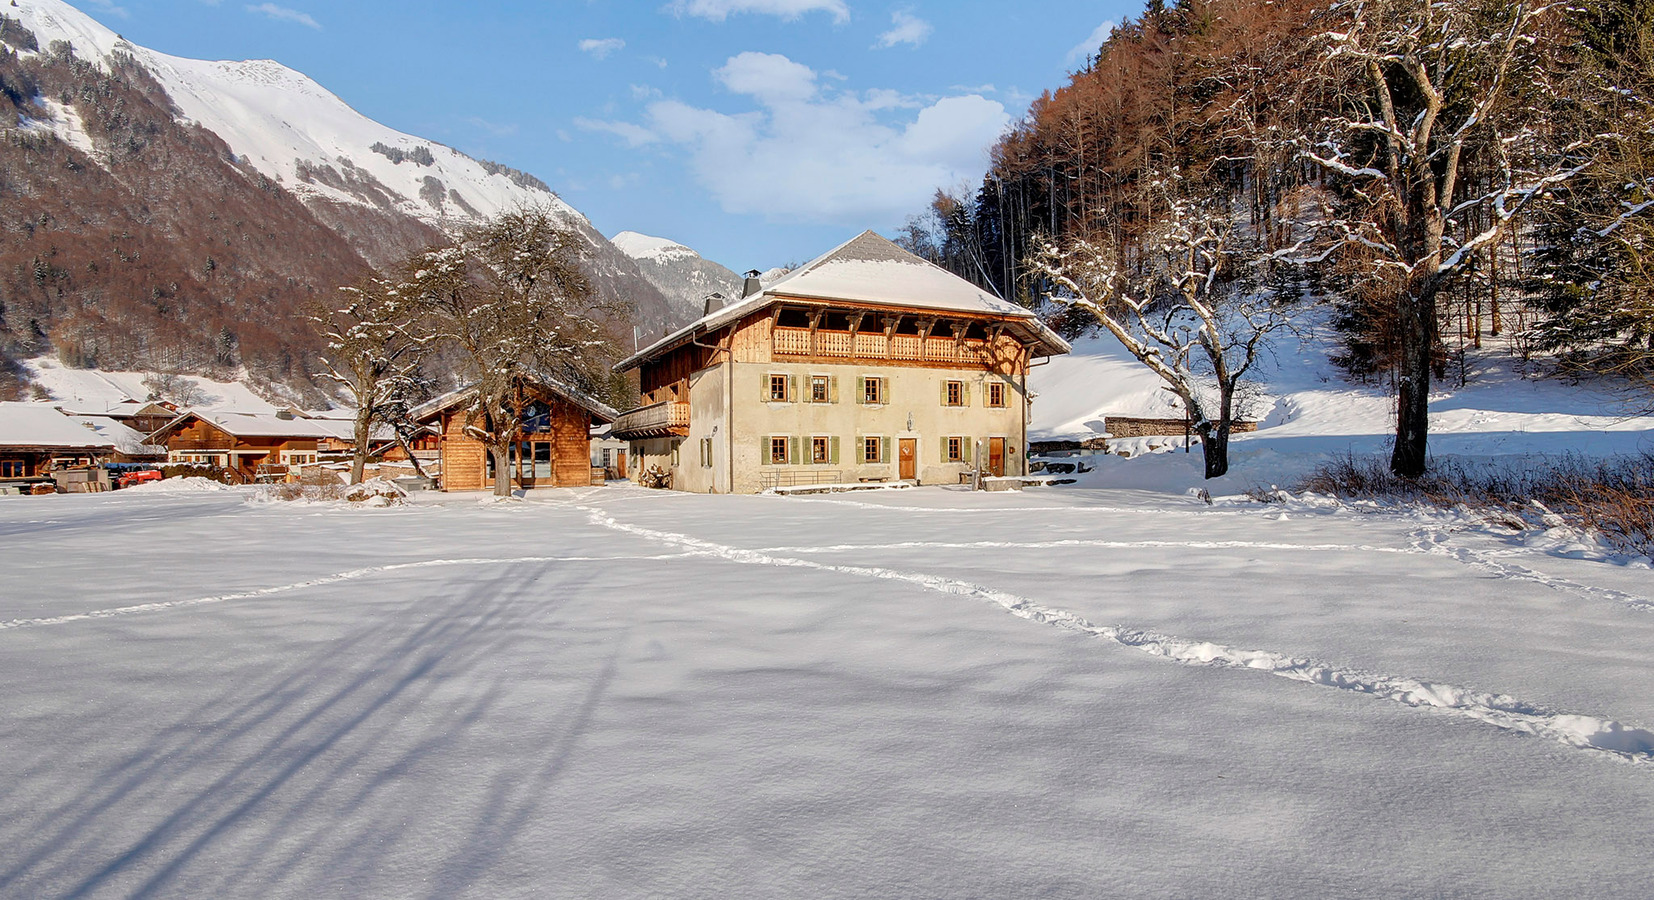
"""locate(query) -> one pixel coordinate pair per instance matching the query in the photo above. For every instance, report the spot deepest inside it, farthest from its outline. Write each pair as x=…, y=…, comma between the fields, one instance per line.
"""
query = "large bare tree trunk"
x=502, y=469
x=363, y=433
x=1418, y=342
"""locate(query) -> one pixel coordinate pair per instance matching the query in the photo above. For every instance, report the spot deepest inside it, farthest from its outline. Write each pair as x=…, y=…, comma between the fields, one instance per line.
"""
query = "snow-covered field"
x=617, y=693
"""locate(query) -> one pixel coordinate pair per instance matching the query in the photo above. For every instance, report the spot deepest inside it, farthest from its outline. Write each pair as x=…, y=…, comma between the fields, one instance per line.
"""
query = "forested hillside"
x=1439, y=174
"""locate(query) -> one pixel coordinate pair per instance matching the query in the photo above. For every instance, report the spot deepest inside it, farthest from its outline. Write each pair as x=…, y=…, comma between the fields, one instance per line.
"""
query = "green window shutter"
x=764, y=386
x=792, y=451
x=861, y=389
x=944, y=393
x=965, y=393
x=884, y=449
x=832, y=450
x=965, y=444
x=792, y=388
x=832, y=390
x=861, y=449
x=764, y=451
x=943, y=451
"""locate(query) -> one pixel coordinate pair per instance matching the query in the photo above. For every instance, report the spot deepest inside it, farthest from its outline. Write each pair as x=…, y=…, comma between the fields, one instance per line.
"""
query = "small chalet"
x=254, y=446
x=867, y=364
x=37, y=439
x=553, y=446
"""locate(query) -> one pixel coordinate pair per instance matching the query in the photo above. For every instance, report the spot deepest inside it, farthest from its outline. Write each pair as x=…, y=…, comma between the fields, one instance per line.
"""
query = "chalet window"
x=824, y=451
x=12, y=468
x=778, y=451
x=953, y=450
x=873, y=391
x=875, y=449
x=821, y=388
x=953, y=393
x=996, y=393
x=706, y=453
x=780, y=388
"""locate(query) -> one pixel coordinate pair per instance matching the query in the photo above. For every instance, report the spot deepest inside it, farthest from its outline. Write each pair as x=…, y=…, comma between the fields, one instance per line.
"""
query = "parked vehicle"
x=139, y=477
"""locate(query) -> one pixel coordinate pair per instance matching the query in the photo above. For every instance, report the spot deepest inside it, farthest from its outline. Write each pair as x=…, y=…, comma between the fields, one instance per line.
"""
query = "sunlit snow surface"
x=616, y=693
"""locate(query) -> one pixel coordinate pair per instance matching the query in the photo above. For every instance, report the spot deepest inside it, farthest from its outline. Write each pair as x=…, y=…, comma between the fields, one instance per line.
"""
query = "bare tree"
x=513, y=300
x=1183, y=309
x=374, y=347
x=1429, y=93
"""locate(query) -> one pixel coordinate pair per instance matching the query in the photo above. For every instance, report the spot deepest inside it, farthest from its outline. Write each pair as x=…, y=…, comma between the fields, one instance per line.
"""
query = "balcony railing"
x=873, y=345
x=657, y=420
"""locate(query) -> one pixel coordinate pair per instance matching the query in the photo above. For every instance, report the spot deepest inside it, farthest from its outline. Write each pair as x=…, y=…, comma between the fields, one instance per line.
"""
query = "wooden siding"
x=465, y=459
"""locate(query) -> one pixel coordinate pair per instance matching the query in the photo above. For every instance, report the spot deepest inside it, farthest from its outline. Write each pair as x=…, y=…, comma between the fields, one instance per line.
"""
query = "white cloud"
x=111, y=8
x=633, y=135
x=494, y=128
x=284, y=14
x=1092, y=42
x=905, y=28
x=718, y=10
x=812, y=155
x=600, y=48
x=770, y=77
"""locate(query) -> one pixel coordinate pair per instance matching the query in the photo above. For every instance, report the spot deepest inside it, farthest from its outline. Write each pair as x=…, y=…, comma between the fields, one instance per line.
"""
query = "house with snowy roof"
x=552, y=446
x=251, y=444
x=866, y=364
x=36, y=439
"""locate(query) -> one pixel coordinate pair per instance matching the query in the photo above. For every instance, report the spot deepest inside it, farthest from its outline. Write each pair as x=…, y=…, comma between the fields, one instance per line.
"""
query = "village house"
x=254, y=446
x=552, y=448
x=38, y=444
x=867, y=364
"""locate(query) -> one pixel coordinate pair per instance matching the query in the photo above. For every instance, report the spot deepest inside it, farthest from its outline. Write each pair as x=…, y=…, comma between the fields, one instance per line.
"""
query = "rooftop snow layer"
x=42, y=425
x=870, y=269
x=97, y=392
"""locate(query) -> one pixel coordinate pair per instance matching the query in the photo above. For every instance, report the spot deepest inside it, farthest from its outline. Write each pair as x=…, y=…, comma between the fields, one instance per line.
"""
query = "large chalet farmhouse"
x=253, y=445
x=867, y=364
x=553, y=445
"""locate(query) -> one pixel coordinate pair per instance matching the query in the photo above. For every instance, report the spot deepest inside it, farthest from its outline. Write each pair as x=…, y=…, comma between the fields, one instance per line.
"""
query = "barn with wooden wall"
x=553, y=445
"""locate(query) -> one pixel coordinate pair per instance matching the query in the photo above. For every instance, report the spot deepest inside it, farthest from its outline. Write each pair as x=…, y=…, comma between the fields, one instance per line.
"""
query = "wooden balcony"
x=669, y=419
x=824, y=344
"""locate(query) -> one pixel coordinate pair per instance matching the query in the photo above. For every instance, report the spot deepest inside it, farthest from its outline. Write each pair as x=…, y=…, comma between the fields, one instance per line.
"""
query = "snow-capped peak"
x=293, y=130
x=646, y=247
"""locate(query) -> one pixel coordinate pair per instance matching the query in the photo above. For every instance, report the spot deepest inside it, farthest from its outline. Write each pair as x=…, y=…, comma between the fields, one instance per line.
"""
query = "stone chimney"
x=714, y=302
x=751, y=285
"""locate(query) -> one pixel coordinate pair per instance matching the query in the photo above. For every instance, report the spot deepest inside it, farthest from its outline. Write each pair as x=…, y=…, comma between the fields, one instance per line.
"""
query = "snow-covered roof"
x=249, y=424
x=865, y=269
x=125, y=438
x=42, y=425
x=580, y=398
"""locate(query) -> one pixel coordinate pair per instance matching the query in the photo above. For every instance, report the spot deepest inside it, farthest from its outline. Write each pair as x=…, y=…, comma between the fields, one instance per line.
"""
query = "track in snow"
x=1582, y=732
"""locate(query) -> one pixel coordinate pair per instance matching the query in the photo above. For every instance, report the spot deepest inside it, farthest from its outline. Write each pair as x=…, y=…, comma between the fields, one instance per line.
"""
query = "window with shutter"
x=996, y=393
x=819, y=451
x=820, y=390
x=779, y=388
x=861, y=390
x=953, y=393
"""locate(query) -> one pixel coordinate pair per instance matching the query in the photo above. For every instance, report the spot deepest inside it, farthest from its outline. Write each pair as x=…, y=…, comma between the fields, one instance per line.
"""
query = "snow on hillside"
x=680, y=273
x=93, y=391
x=1308, y=411
x=292, y=129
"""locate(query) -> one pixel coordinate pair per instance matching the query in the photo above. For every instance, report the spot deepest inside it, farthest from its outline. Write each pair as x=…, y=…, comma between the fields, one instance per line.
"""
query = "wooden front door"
x=620, y=464
x=908, y=457
x=996, y=457
x=533, y=462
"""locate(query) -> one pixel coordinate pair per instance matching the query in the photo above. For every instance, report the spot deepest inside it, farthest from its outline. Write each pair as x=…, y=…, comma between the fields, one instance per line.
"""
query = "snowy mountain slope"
x=292, y=129
x=679, y=272
x=384, y=192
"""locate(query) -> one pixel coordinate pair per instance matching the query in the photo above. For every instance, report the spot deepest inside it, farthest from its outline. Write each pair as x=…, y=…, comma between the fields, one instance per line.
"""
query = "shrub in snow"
x=376, y=492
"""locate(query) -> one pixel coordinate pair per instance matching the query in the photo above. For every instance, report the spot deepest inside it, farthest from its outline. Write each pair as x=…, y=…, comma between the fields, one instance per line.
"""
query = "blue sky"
x=759, y=132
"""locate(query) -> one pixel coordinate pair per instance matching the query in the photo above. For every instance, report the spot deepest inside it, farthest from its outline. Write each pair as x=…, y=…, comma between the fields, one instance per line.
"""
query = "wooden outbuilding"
x=553, y=445
x=37, y=440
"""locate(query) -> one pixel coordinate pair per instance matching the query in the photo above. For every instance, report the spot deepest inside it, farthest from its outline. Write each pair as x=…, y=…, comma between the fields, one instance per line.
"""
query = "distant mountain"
x=679, y=272
x=162, y=212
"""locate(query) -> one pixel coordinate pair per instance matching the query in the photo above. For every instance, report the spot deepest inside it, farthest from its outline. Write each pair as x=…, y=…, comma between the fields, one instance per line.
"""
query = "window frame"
x=953, y=392
x=956, y=448
x=996, y=387
x=825, y=385
x=821, y=450
x=779, y=379
x=874, y=391
x=779, y=441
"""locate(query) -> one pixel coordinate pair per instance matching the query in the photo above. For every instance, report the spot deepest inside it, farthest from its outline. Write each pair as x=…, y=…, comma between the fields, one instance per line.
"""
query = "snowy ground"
x=618, y=693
